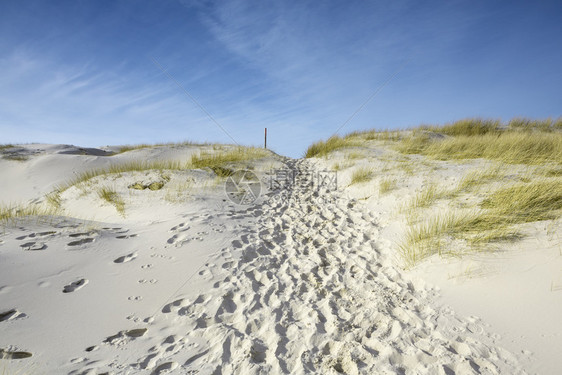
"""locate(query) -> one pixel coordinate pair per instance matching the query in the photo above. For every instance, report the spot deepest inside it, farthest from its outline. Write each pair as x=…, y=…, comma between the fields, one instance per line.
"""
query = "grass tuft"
x=323, y=148
x=386, y=185
x=126, y=148
x=467, y=127
x=494, y=221
x=472, y=139
x=11, y=213
x=361, y=175
x=526, y=202
x=219, y=162
x=112, y=197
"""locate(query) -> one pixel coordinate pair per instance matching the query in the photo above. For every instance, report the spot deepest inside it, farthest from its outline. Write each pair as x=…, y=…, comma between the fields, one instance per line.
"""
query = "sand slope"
x=300, y=282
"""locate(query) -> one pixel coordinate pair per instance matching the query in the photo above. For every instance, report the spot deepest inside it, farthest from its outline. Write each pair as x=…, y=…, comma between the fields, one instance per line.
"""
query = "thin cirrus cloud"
x=84, y=73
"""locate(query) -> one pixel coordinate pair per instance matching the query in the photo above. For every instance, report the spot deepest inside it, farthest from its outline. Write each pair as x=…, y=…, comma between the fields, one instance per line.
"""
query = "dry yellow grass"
x=361, y=175
x=112, y=197
x=386, y=185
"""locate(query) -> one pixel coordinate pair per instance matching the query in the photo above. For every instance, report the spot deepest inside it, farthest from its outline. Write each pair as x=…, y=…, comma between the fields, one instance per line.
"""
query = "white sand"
x=188, y=282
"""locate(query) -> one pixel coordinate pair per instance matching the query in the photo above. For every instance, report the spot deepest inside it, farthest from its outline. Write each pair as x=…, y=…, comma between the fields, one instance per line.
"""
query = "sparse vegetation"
x=386, y=185
x=478, y=177
x=9, y=213
x=427, y=196
x=467, y=127
x=219, y=162
x=126, y=148
x=111, y=196
x=323, y=148
x=518, y=142
x=54, y=199
x=379, y=135
x=525, y=202
x=342, y=166
x=15, y=157
x=135, y=166
x=495, y=219
x=353, y=155
x=360, y=175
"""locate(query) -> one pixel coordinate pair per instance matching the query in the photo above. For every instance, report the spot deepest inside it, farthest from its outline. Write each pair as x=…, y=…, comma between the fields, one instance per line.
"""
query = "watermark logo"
x=281, y=179
x=243, y=187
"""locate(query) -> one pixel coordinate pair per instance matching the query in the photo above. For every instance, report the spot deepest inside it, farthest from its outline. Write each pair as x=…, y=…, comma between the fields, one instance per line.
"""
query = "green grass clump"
x=386, y=185
x=219, y=162
x=427, y=238
x=9, y=213
x=353, y=156
x=54, y=199
x=126, y=148
x=525, y=202
x=426, y=197
x=361, y=175
x=528, y=125
x=15, y=157
x=323, y=148
x=5, y=146
x=215, y=161
x=467, y=127
x=478, y=177
x=495, y=220
x=379, y=135
x=134, y=166
x=508, y=147
x=111, y=196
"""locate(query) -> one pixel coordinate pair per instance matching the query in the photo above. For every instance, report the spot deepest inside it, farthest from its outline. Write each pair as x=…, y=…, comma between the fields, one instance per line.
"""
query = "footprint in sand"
x=75, y=286
x=178, y=239
x=81, y=234
x=40, y=234
x=12, y=314
x=6, y=354
x=122, y=336
x=180, y=228
x=125, y=236
x=125, y=258
x=33, y=246
x=165, y=368
x=81, y=242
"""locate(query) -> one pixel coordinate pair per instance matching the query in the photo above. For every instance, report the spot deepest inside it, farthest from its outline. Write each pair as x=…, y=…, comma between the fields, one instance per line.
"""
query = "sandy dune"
x=302, y=281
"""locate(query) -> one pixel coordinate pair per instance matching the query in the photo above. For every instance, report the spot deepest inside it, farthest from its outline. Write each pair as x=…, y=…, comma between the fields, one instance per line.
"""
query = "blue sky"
x=83, y=72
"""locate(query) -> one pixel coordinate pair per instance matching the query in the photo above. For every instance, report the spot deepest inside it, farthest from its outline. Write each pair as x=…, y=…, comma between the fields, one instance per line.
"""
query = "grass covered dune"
x=222, y=161
x=517, y=141
x=523, y=185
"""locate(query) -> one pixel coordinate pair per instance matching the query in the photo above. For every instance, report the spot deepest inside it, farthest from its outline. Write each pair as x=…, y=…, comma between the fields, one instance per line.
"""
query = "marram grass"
x=112, y=197
x=361, y=175
x=386, y=185
x=495, y=219
x=323, y=148
x=13, y=212
x=508, y=147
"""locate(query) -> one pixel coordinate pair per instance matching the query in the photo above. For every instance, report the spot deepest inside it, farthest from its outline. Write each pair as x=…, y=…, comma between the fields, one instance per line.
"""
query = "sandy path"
x=299, y=282
x=311, y=291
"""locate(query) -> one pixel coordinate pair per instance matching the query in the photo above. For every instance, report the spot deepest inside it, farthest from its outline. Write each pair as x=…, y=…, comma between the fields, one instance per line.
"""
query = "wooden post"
x=265, y=139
